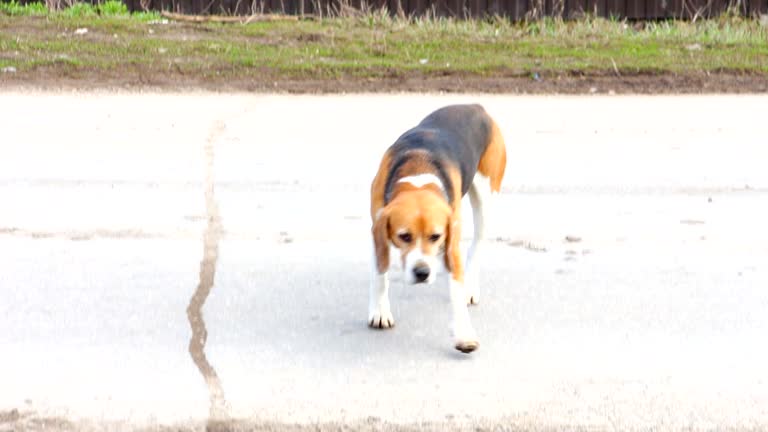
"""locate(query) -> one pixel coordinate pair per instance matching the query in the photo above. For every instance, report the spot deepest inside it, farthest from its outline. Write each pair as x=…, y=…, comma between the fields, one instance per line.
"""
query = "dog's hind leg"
x=487, y=182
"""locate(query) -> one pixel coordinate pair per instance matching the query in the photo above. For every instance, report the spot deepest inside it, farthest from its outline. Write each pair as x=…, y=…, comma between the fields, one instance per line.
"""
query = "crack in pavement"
x=218, y=408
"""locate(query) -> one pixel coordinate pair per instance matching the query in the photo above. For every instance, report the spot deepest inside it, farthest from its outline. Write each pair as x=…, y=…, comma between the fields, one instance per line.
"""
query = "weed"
x=15, y=8
x=112, y=8
x=79, y=10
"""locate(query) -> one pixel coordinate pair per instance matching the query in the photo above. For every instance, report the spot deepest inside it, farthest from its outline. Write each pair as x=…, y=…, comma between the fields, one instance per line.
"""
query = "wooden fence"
x=512, y=9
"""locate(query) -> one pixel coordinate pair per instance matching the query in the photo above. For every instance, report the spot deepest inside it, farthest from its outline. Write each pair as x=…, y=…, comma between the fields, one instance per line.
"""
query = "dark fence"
x=511, y=9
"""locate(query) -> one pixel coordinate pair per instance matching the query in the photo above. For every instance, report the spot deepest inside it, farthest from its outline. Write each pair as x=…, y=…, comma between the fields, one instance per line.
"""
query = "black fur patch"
x=455, y=135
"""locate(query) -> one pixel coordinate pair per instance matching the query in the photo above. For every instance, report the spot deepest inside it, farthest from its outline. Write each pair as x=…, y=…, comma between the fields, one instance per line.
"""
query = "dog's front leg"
x=464, y=337
x=379, y=312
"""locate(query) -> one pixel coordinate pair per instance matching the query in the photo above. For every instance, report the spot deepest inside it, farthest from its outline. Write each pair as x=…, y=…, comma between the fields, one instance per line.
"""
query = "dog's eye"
x=434, y=237
x=405, y=237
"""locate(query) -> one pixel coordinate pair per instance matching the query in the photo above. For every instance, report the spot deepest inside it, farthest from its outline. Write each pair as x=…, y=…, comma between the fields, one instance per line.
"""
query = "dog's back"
x=455, y=134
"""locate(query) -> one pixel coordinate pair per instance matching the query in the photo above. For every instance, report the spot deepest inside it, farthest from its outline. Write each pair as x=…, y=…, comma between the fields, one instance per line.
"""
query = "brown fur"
x=381, y=238
x=378, y=185
x=494, y=160
x=452, y=253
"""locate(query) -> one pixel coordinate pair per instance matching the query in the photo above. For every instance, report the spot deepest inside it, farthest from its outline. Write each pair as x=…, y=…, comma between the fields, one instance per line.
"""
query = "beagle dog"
x=416, y=208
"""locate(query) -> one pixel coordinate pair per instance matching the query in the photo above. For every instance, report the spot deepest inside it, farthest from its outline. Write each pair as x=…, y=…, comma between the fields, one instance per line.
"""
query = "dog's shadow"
x=331, y=323
x=421, y=331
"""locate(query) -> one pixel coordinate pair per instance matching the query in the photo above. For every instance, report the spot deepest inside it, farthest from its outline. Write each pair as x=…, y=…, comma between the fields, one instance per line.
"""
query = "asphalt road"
x=625, y=285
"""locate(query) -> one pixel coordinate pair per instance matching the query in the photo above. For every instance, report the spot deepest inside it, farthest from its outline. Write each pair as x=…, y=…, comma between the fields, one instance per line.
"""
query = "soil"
x=52, y=78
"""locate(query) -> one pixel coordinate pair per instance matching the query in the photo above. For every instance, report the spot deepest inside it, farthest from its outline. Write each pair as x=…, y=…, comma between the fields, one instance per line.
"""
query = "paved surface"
x=132, y=223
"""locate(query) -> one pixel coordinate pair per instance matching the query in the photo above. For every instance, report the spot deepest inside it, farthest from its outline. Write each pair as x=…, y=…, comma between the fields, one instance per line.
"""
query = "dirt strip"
x=609, y=83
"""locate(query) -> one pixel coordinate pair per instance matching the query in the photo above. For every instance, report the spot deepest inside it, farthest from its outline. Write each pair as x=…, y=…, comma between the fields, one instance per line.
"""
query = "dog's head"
x=420, y=224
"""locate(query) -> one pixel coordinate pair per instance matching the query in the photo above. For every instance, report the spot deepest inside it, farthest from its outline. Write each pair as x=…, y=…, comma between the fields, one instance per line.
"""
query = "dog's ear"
x=452, y=236
x=381, y=240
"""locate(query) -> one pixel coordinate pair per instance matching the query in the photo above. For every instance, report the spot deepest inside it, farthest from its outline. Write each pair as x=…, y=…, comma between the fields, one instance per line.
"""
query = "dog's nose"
x=421, y=272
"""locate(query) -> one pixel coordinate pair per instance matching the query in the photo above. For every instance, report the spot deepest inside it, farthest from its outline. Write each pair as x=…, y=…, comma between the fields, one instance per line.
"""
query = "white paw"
x=465, y=339
x=381, y=318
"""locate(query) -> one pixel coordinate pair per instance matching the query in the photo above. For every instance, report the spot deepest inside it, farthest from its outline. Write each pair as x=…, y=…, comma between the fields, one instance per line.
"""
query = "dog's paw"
x=467, y=346
x=464, y=338
x=381, y=319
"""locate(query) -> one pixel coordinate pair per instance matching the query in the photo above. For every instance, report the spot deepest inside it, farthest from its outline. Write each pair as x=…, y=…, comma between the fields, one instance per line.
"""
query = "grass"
x=372, y=45
x=14, y=8
x=108, y=9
